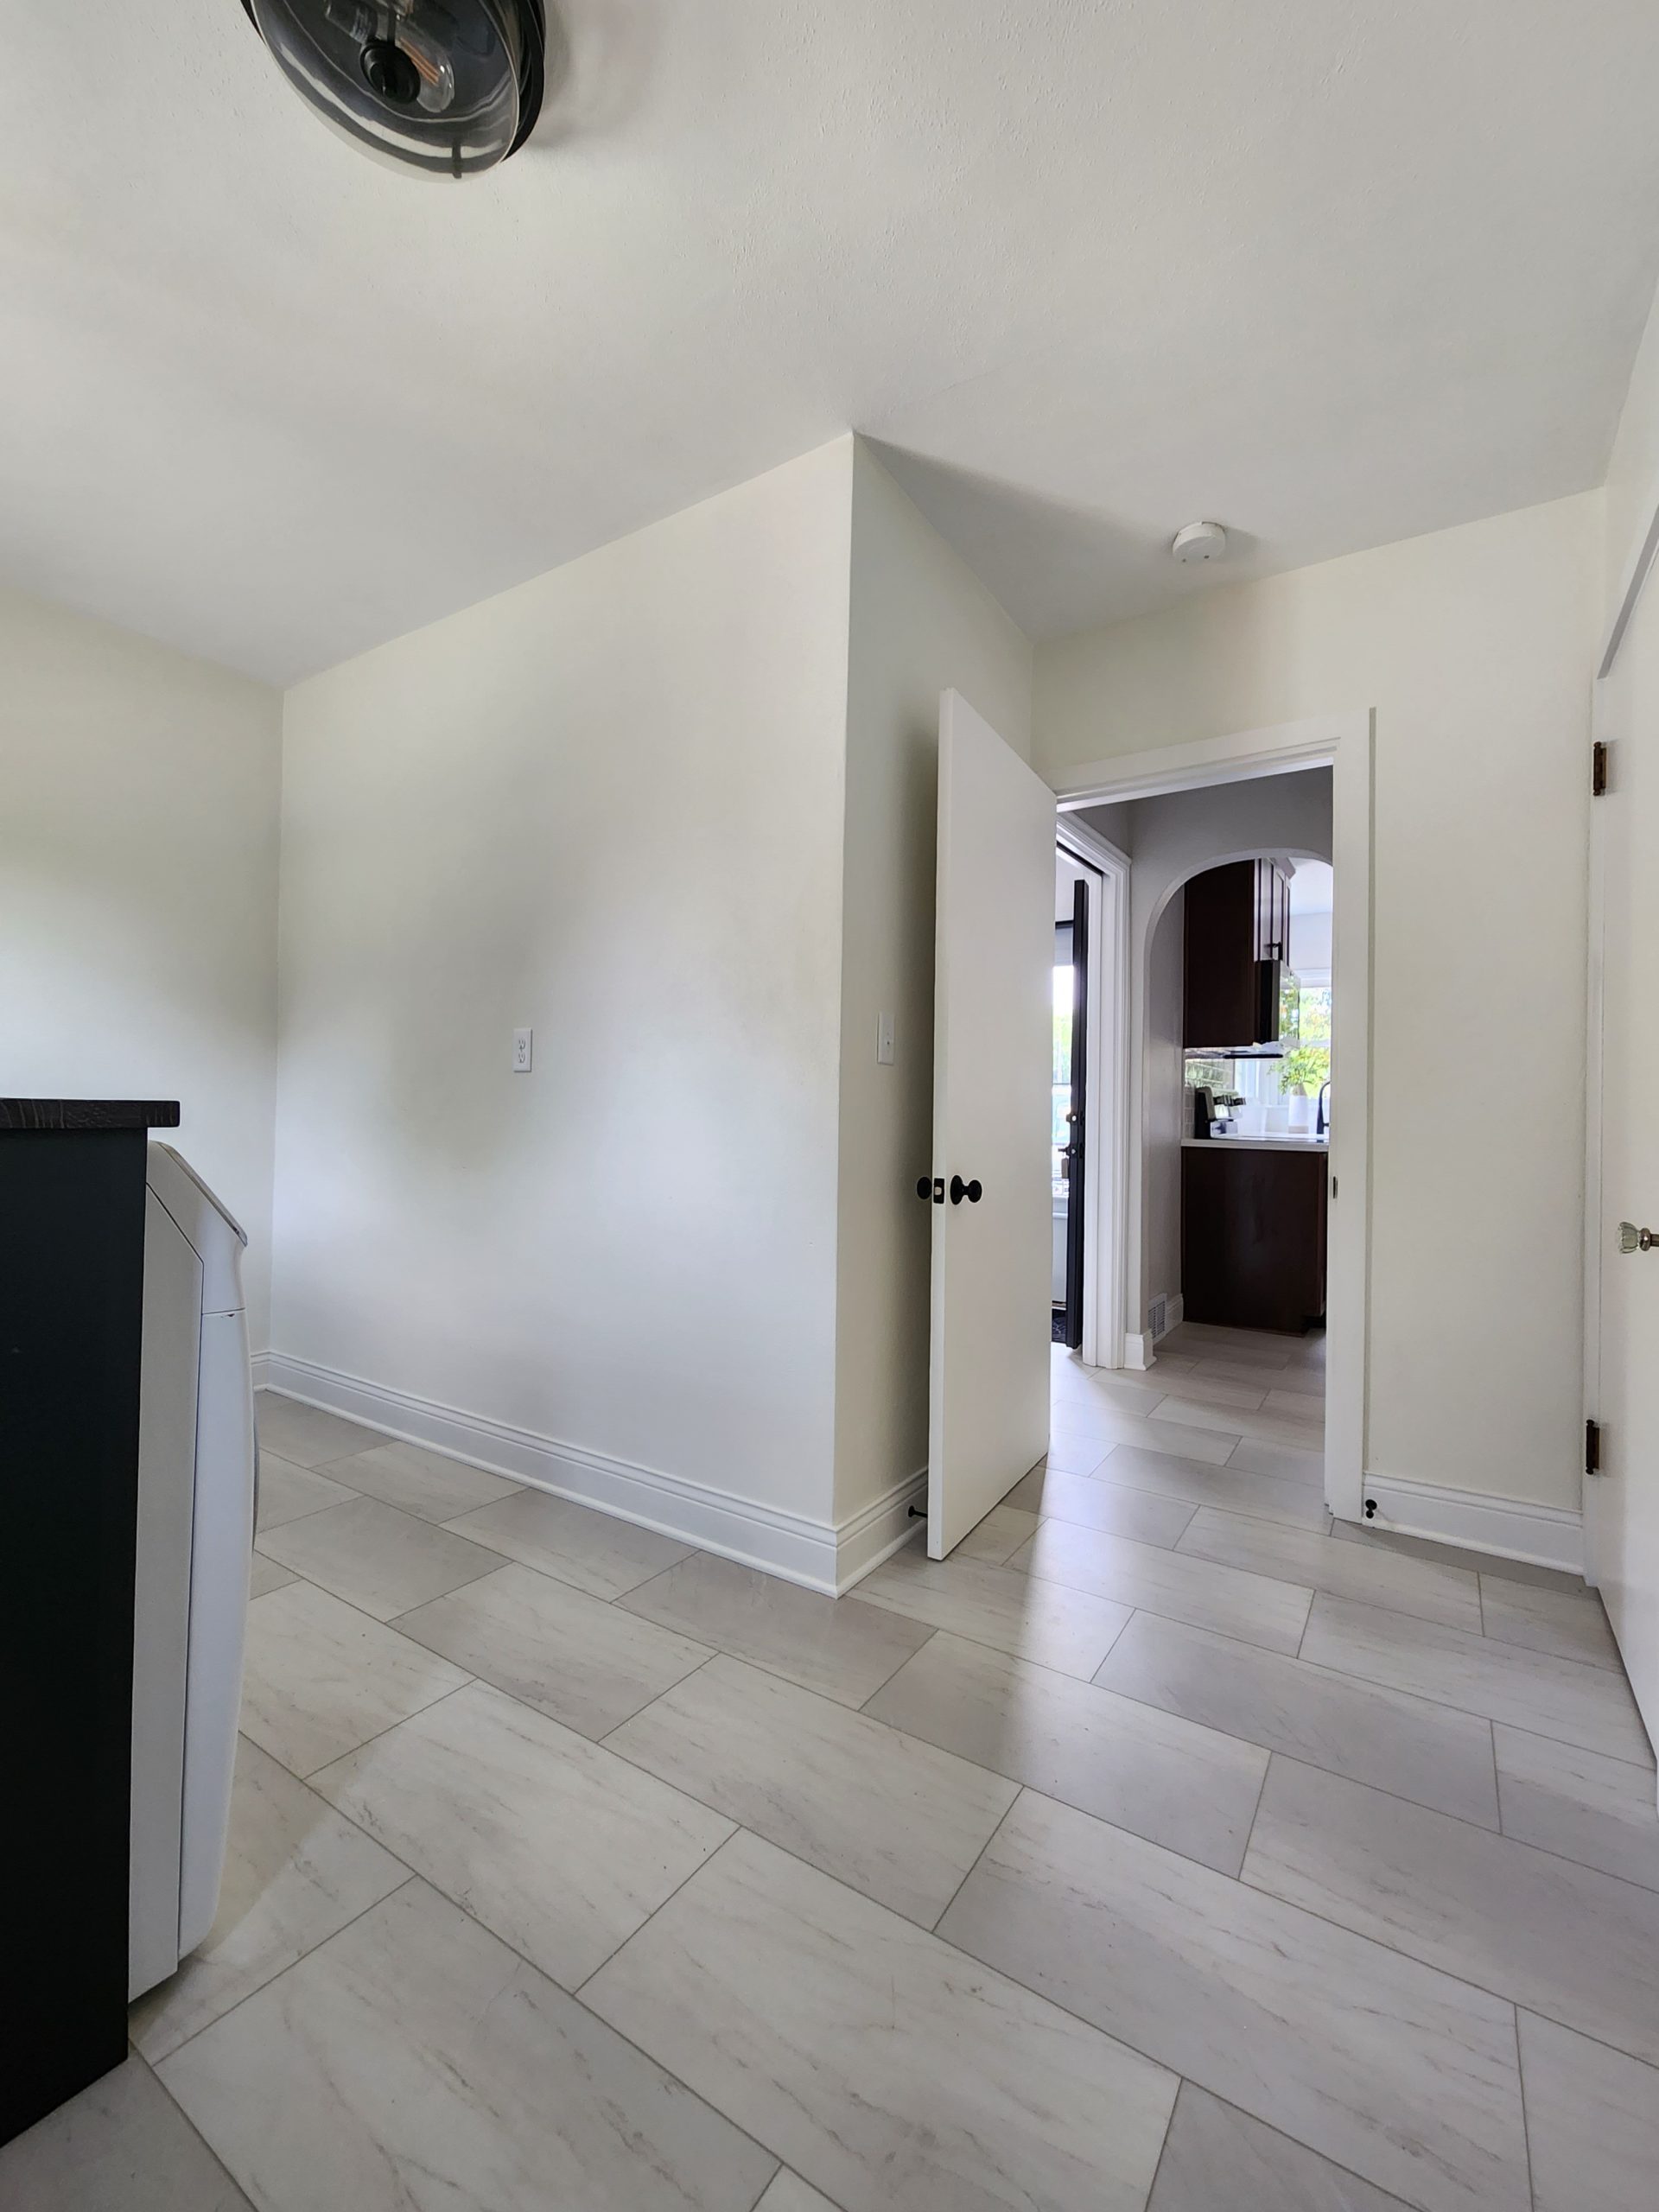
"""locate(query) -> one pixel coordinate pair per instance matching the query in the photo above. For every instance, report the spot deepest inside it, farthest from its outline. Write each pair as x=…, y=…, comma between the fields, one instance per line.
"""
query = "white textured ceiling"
x=1330, y=273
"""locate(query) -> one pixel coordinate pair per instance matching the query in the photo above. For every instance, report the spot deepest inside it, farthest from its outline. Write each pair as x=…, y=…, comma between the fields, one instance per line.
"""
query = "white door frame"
x=1344, y=744
x=1638, y=566
x=1106, y=1149
x=1594, y=1534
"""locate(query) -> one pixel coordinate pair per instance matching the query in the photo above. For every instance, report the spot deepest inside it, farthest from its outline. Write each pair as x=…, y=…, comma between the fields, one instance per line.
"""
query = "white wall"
x=920, y=623
x=607, y=803
x=138, y=799
x=1170, y=838
x=1473, y=648
x=1310, y=946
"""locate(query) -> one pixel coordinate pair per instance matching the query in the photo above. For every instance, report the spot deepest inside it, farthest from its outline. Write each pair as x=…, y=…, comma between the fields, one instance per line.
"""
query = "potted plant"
x=1301, y=1071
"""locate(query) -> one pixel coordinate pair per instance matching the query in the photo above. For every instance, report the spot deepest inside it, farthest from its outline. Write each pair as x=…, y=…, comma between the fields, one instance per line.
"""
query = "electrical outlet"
x=522, y=1041
x=884, y=1040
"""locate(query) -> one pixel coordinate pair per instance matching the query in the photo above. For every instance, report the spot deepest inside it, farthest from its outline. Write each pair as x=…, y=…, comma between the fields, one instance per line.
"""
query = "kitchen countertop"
x=81, y=1114
x=1255, y=1144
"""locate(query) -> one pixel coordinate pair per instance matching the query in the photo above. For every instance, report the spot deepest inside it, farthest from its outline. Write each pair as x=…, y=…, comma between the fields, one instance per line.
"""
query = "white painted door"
x=993, y=1046
x=1622, y=1504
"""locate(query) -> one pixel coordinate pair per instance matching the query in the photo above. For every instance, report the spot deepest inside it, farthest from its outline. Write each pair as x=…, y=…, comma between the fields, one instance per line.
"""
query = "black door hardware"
x=931, y=1186
x=973, y=1192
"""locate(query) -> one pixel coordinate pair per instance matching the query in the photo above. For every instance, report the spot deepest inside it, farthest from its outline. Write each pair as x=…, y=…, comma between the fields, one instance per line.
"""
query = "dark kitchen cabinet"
x=72, y=1296
x=1253, y=1235
x=1238, y=939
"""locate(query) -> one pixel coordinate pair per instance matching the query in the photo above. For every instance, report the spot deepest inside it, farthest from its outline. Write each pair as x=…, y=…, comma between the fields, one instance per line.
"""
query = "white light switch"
x=522, y=1041
x=884, y=1040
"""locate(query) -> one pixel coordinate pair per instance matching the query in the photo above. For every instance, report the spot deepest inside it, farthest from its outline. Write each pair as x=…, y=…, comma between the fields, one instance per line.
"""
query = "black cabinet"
x=1237, y=939
x=1253, y=1235
x=72, y=1228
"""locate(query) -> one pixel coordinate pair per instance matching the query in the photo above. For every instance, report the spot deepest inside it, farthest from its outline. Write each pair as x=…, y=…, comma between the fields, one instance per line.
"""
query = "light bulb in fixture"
x=447, y=86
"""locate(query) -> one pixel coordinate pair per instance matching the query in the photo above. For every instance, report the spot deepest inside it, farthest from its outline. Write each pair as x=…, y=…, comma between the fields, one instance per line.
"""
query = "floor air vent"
x=1158, y=1316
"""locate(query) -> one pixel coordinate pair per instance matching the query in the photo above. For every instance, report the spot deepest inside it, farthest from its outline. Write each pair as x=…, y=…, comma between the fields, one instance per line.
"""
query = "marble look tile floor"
x=1166, y=1849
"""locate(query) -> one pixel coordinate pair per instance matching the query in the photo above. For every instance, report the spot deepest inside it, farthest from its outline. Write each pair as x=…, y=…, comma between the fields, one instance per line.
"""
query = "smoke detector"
x=1199, y=542
x=447, y=86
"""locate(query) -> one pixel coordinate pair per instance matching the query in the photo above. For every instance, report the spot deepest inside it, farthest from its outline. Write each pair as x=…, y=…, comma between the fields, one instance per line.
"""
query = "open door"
x=1075, y=1163
x=993, y=1048
x=1622, y=1500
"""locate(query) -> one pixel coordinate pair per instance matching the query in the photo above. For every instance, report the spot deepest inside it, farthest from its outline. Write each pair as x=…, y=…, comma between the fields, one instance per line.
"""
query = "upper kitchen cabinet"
x=1237, y=940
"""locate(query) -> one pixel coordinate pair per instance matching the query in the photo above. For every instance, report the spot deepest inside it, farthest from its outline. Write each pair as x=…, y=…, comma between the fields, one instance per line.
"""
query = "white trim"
x=259, y=1362
x=1141, y=1348
x=1346, y=743
x=1638, y=564
x=1233, y=759
x=1105, y=1248
x=1595, y=1534
x=876, y=1533
x=1090, y=846
x=1510, y=1528
x=815, y=1553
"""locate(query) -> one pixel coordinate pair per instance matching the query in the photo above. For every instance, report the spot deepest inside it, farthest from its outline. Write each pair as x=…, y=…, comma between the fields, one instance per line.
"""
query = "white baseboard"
x=1544, y=1535
x=1139, y=1347
x=874, y=1534
x=260, y=1363
x=817, y=1554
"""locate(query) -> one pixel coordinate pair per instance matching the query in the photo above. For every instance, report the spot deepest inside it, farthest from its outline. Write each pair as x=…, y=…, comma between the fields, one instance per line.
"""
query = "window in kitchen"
x=1252, y=1086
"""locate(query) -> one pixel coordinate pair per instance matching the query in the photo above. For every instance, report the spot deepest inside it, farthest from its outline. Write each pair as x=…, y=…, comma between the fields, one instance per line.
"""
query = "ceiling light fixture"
x=1199, y=542
x=447, y=86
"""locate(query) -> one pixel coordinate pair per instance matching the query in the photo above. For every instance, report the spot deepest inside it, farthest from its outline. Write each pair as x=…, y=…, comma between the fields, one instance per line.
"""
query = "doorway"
x=1088, y=1135
x=989, y=1415
x=1076, y=886
x=1335, y=1454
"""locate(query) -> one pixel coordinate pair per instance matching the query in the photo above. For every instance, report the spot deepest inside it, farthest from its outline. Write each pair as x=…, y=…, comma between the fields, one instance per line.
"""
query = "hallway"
x=571, y=1867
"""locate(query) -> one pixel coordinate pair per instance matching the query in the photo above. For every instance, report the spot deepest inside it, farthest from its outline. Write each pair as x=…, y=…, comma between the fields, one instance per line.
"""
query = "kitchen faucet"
x=1321, y=1119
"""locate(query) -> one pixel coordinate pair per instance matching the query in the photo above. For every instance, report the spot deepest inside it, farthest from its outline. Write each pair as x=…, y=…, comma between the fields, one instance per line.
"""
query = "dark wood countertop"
x=1258, y=1144
x=19, y=1114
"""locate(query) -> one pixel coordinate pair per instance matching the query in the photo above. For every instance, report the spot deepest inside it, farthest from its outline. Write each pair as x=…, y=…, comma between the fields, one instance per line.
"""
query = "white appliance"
x=195, y=1534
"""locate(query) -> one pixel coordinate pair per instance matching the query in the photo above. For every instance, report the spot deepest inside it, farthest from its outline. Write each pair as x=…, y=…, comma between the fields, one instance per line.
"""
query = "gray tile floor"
x=1163, y=1851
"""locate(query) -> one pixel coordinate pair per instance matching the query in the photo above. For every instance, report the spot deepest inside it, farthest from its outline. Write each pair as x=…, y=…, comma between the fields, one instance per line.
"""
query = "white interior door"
x=1622, y=1504
x=993, y=1045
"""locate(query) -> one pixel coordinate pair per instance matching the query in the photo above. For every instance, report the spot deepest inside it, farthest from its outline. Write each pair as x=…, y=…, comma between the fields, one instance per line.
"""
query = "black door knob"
x=973, y=1192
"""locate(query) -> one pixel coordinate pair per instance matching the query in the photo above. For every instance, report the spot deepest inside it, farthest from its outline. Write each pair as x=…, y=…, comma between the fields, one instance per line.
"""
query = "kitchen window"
x=1302, y=1064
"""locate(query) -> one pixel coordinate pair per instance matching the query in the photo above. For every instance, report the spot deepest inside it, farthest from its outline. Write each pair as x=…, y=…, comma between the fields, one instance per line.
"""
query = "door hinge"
x=1599, y=770
x=1592, y=1448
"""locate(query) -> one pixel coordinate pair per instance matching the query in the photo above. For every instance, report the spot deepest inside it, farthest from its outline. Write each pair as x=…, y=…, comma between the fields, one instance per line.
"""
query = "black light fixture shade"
x=447, y=86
